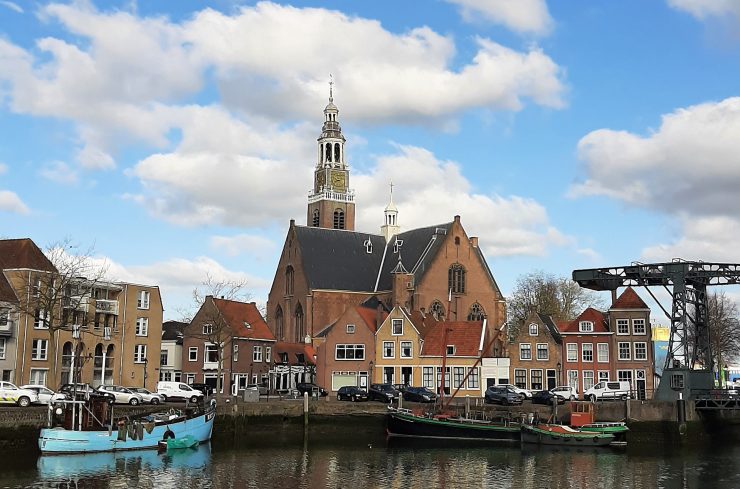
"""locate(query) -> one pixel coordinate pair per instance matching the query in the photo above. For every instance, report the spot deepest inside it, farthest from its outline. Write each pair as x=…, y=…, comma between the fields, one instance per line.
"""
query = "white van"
x=178, y=390
x=609, y=390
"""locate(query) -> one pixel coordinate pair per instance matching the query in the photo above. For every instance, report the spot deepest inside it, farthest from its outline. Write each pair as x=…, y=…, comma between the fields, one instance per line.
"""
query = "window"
x=289, y=280
x=473, y=379
x=142, y=326
x=339, y=219
x=368, y=246
x=350, y=329
x=640, y=350
x=279, y=330
x=588, y=379
x=350, y=352
x=638, y=326
x=427, y=377
x=525, y=351
x=573, y=378
x=572, y=352
x=624, y=350
x=543, y=352
x=602, y=352
x=4, y=316
x=406, y=349
x=207, y=329
x=39, y=320
x=603, y=375
x=623, y=326
x=38, y=376
x=624, y=376
x=533, y=329
x=163, y=357
x=677, y=381
x=39, y=349
x=520, y=378
x=389, y=374
x=476, y=313
x=397, y=244
x=257, y=354
x=139, y=353
x=142, y=301
x=315, y=220
x=211, y=354
x=300, y=330
x=456, y=279
x=437, y=310
x=397, y=329
x=585, y=327
x=193, y=354
x=458, y=374
x=2, y=348
x=450, y=349
x=389, y=349
x=235, y=352
x=37, y=288
x=536, y=378
x=268, y=353
x=587, y=352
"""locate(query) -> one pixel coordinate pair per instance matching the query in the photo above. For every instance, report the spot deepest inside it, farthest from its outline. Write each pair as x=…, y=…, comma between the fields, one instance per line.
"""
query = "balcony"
x=78, y=303
x=325, y=194
x=106, y=306
x=6, y=328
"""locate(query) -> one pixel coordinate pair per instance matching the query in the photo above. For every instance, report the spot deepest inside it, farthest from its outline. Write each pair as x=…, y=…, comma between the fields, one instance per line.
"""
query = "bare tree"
x=724, y=326
x=544, y=293
x=57, y=298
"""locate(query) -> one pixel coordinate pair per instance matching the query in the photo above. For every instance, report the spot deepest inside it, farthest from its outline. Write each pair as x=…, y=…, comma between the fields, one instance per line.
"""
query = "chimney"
x=614, y=296
x=474, y=241
x=378, y=315
x=457, y=219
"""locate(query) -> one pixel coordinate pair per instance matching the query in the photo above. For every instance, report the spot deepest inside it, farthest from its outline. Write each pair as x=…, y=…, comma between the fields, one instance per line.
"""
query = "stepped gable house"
x=327, y=266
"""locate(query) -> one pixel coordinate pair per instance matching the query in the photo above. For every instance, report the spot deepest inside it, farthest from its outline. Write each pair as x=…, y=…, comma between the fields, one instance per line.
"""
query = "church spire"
x=391, y=227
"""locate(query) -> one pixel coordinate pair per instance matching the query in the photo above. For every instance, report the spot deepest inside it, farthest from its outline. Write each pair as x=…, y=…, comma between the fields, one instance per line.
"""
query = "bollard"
x=555, y=409
x=400, y=400
x=305, y=408
x=681, y=412
x=467, y=405
x=627, y=409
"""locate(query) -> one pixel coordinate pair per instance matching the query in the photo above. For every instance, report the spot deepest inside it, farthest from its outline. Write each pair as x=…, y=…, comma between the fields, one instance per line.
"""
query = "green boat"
x=553, y=434
x=186, y=441
x=619, y=430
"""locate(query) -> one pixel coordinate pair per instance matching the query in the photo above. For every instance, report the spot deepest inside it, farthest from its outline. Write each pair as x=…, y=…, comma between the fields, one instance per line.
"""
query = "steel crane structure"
x=689, y=367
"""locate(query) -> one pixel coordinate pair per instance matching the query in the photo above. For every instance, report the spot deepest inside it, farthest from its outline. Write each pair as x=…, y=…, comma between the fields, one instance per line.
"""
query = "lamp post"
x=559, y=366
x=146, y=361
x=371, y=373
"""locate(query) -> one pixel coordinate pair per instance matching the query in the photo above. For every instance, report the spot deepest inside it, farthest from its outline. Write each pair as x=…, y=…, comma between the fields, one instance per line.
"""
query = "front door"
x=406, y=375
x=363, y=380
x=551, y=380
x=388, y=375
x=641, y=384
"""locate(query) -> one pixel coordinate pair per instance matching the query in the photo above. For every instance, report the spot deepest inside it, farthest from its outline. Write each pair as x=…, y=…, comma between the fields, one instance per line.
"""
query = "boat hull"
x=558, y=435
x=59, y=440
x=409, y=425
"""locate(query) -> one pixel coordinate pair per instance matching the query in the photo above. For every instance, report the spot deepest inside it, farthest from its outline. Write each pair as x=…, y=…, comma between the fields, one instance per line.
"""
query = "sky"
x=177, y=139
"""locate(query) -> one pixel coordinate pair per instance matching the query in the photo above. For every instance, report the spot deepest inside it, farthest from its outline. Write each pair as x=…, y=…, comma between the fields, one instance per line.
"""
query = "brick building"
x=535, y=352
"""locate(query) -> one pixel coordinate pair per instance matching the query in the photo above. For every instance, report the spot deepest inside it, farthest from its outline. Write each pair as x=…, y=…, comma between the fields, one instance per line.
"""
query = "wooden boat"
x=89, y=426
x=405, y=423
x=619, y=430
x=556, y=434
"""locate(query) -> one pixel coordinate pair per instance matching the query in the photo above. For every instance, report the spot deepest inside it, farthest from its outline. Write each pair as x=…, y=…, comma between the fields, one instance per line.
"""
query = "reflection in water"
x=329, y=458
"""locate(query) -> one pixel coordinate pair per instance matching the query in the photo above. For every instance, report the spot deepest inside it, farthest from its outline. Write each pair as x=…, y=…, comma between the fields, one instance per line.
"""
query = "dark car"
x=500, y=394
x=311, y=388
x=206, y=389
x=546, y=397
x=351, y=393
x=419, y=394
x=382, y=392
x=85, y=390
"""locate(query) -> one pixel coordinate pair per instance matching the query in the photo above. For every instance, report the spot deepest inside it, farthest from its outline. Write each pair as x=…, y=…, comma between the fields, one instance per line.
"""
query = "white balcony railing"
x=78, y=303
x=348, y=196
x=107, y=306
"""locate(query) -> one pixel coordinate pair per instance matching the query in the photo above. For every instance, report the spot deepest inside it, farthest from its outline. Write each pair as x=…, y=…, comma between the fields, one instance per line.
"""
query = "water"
x=342, y=459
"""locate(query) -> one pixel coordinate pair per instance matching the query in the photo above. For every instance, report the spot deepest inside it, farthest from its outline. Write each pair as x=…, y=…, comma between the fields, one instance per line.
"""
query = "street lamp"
x=146, y=361
x=559, y=366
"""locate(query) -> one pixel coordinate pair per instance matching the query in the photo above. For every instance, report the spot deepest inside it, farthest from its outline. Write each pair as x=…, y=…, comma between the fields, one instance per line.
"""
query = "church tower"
x=331, y=203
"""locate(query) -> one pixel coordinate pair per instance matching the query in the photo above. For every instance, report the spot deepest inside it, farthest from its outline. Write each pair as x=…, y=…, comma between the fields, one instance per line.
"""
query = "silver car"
x=147, y=396
x=46, y=395
x=122, y=394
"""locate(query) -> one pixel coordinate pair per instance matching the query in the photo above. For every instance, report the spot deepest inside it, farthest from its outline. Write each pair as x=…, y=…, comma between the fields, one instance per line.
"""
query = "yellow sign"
x=661, y=333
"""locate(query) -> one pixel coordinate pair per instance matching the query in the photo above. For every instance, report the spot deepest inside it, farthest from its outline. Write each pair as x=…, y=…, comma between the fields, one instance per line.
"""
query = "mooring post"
x=400, y=400
x=467, y=405
x=305, y=408
x=681, y=412
x=554, y=409
x=627, y=409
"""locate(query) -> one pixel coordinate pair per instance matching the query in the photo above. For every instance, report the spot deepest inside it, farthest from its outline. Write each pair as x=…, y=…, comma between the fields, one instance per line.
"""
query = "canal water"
x=344, y=459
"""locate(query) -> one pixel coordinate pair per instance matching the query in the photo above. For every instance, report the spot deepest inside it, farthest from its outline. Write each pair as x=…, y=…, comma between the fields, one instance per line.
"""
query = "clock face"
x=337, y=180
x=320, y=180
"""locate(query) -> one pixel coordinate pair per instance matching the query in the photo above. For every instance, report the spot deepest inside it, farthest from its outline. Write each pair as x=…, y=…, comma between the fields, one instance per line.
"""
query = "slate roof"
x=590, y=314
x=172, y=330
x=7, y=294
x=464, y=335
x=551, y=327
x=236, y=313
x=629, y=300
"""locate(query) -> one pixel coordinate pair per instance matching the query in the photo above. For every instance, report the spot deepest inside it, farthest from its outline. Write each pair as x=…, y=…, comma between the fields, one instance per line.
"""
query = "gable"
x=629, y=300
x=23, y=253
x=590, y=314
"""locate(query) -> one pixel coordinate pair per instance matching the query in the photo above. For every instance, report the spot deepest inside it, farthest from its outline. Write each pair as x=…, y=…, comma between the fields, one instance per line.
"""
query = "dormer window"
x=586, y=327
x=397, y=327
x=368, y=246
x=450, y=349
x=247, y=325
x=533, y=329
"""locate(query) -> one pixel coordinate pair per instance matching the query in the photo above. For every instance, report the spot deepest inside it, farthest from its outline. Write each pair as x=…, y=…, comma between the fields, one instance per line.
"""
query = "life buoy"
x=168, y=434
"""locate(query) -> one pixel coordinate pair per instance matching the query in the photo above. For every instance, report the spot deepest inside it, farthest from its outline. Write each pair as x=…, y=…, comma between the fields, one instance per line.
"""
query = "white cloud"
x=59, y=172
x=10, y=202
x=12, y=6
x=708, y=239
x=254, y=245
x=703, y=9
x=590, y=254
x=525, y=16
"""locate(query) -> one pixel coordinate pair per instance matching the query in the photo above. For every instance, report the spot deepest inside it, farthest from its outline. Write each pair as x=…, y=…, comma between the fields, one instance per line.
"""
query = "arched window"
x=279, y=327
x=328, y=151
x=456, y=279
x=315, y=221
x=336, y=153
x=476, y=313
x=300, y=328
x=289, y=280
x=339, y=219
x=437, y=310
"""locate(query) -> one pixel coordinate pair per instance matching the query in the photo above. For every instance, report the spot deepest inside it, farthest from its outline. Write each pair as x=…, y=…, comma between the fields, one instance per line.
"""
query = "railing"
x=6, y=327
x=348, y=196
x=76, y=302
x=108, y=306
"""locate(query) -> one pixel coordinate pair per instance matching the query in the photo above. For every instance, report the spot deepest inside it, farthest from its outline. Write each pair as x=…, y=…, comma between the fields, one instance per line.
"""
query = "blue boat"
x=89, y=426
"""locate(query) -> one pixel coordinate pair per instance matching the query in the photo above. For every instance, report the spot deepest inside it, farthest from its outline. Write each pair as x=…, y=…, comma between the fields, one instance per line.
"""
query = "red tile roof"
x=23, y=253
x=422, y=322
x=369, y=316
x=590, y=314
x=294, y=350
x=464, y=335
x=236, y=313
x=629, y=300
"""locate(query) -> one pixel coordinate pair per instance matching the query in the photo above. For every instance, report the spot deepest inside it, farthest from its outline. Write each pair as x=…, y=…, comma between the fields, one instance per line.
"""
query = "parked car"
x=122, y=394
x=46, y=395
x=502, y=394
x=419, y=394
x=609, y=390
x=567, y=392
x=206, y=389
x=147, y=396
x=85, y=390
x=12, y=394
x=382, y=392
x=400, y=387
x=311, y=388
x=178, y=391
x=523, y=393
x=546, y=397
x=351, y=393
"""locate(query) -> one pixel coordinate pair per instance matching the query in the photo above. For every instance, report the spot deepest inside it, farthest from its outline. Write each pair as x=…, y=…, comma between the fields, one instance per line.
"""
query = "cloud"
x=59, y=172
x=244, y=244
x=703, y=9
x=10, y=202
x=524, y=16
x=707, y=239
x=12, y=6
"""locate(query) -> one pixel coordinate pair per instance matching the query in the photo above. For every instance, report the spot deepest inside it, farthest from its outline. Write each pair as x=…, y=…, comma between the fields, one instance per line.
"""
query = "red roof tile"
x=369, y=317
x=294, y=350
x=629, y=300
x=590, y=314
x=464, y=335
x=236, y=313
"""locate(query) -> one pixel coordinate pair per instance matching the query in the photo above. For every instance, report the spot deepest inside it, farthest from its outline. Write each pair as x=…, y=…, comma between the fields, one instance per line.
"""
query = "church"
x=328, y=267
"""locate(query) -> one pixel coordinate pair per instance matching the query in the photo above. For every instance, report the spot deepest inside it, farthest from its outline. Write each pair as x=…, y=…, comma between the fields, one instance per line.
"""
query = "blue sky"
x=178, y=138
